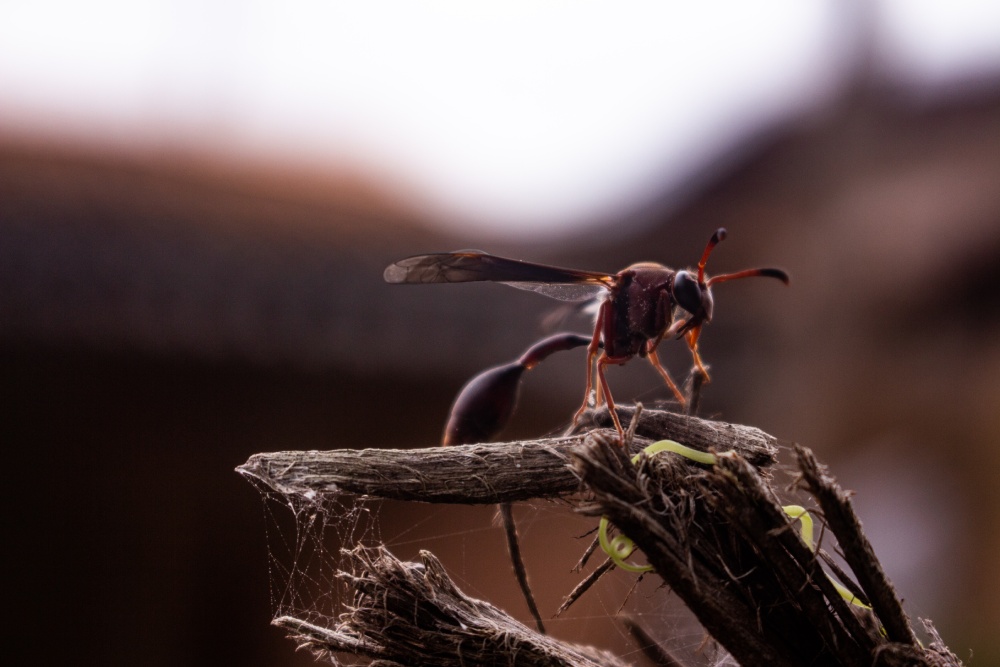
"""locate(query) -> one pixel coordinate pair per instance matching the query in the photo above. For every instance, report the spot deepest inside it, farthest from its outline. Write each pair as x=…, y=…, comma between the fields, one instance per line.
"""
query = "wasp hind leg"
x=592, y=350
x=601, y=363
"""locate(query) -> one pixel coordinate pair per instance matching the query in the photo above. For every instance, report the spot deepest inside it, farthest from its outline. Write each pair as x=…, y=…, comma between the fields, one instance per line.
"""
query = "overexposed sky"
x=531, y=115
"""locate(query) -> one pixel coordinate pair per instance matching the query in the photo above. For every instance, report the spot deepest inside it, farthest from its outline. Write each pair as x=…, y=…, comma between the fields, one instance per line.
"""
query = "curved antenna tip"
x=750, y=273
x=776, y=273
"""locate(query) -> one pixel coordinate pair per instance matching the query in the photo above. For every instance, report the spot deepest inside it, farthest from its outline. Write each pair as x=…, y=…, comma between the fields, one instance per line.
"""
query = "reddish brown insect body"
x=638, y=307
x=487, y=401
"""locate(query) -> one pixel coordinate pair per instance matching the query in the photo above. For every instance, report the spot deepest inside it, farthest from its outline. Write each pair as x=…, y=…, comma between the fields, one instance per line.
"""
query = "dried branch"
x=414, y=614
x=718, y=536
x=484, y=473
x=760, y=449
x=755, y=514
x=662, y=525
x=506, y=511
x=585, y=585
x=858, y=552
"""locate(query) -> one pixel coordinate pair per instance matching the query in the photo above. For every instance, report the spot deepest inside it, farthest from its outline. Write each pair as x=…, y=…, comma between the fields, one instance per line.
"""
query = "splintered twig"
x=714, y=532
x=760, y=449
x=720, y=539
x=484, y=473
x=414, y=614
x=520, y=573
x=858, y=552
x=585, y=585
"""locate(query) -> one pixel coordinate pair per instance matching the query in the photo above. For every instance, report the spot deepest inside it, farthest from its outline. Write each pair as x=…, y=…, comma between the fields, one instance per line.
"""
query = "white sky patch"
x=933, y=42
x=530, y=116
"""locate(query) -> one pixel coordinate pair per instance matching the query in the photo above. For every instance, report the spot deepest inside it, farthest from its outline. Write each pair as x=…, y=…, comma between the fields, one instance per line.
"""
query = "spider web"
x=305, y=536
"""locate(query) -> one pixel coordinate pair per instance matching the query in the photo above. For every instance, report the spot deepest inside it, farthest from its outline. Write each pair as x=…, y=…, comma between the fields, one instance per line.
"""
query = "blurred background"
x=197, y=200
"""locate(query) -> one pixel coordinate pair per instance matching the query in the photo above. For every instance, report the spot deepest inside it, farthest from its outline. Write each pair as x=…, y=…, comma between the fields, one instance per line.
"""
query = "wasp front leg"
x=654, y=359
x=692, y=341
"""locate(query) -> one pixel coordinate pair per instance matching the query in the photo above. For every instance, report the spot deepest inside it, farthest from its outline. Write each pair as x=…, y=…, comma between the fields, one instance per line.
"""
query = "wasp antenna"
x=718, y=236
x=750, y=273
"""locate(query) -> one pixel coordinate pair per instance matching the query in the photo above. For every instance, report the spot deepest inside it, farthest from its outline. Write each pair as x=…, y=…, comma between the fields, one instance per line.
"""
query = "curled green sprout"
x=621, y=547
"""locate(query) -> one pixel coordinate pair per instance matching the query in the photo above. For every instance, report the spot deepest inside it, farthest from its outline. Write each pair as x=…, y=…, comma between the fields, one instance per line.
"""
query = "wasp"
x=637, y=308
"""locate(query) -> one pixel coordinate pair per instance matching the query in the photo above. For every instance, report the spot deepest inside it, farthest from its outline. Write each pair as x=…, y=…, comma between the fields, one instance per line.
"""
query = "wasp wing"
x=571, y=292
x=464, y=267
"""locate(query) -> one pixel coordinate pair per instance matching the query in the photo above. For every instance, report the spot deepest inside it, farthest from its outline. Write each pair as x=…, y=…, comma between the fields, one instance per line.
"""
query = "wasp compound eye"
x=687, y=292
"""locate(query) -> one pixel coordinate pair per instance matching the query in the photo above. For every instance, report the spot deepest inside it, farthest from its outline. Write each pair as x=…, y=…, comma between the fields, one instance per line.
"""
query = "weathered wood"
x=718, y=536
x=414, y=614
x=665, y=526
x=468, y=474
x=754, y=513
x=858, y=551
x=760, y=449
x=484, y=473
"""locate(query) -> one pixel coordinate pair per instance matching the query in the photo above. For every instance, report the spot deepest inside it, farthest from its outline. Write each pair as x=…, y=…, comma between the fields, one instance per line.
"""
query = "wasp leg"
x=595, y=345
x=692, y=341
x=655, y=361
x=601, y=363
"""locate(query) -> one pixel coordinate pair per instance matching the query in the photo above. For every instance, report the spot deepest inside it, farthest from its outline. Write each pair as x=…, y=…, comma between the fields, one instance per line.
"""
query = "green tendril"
x=802, y=514
x=621, y=547
x=677, y=448
x=806, y=534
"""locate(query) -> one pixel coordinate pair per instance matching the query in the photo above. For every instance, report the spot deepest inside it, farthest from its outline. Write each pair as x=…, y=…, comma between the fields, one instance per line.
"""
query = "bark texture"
x=414, y=614
x=485, y=473
x=716, y=534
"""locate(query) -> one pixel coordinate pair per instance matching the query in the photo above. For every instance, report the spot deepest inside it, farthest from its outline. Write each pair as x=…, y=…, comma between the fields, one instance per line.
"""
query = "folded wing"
x=469, y=266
